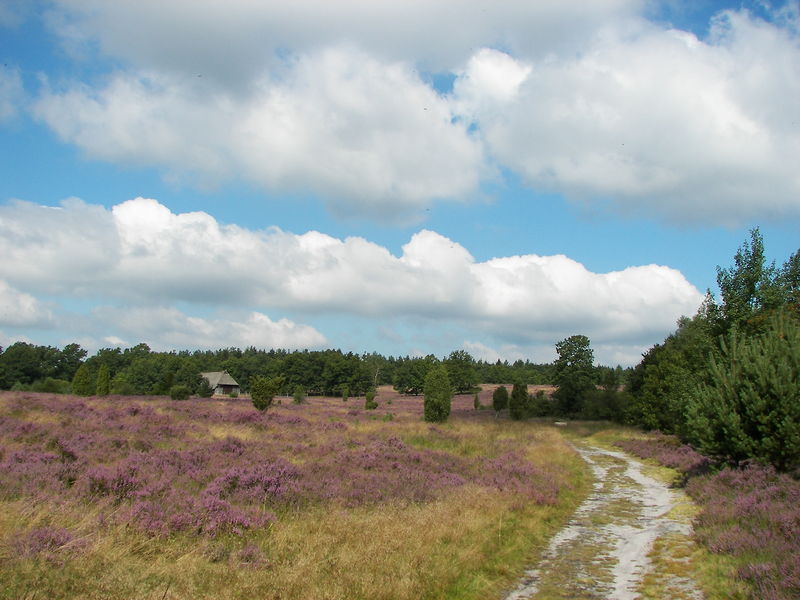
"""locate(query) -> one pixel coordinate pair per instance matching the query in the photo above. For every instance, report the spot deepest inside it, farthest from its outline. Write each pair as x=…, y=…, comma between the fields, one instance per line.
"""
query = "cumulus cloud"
x=651, y=121
x=369, y=137
x=589, y=100
x=158, y=257
x=241, y=36
x=19, y=309
x=170, y=328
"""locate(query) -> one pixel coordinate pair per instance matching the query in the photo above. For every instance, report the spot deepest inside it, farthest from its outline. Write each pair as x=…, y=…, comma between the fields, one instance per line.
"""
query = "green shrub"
x=299, y=395
x=263, y=390
x=500, y=399
x=103, y=385
x=750, y=409
x=179, y=392
x=204, y=390
x=438, y=395
x=369, y=401
x=50, y=385
x=518, y=401
x=83, y=384
x=345, y=392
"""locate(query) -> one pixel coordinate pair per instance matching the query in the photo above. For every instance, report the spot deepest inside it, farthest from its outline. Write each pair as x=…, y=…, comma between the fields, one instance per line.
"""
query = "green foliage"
x=461, y=371
x=299, y=395
x=411, y=372
x=51, y=385
x=518, y=401
x=750, y=408
x=369, y=400
x=476, y=401
x=83, y=383
x=263, y=390
x=345, y=392
x=26, y=363
x=103, y=385
x=204, y=389
x=663, y=383
x=500, y=399
x=574, y=373
x=438, y=395
x=179, y=392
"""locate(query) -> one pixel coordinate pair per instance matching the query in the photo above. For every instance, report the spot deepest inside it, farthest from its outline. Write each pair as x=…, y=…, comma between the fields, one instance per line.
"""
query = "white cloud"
x=169, y=328
x=240, y=36
x=585, y=99
x=153, y=256
x=652, y=121
x=370, y=137
x=19, y=309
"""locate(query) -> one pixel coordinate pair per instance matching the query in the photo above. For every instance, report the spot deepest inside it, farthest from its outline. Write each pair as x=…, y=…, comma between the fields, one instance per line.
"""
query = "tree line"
x=139, y=370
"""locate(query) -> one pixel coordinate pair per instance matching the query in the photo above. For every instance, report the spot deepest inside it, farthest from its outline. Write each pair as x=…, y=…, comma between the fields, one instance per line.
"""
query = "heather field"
x=145, y=497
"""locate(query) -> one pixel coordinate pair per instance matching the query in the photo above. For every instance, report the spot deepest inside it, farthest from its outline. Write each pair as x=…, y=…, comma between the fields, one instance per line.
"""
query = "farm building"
x=221, y=382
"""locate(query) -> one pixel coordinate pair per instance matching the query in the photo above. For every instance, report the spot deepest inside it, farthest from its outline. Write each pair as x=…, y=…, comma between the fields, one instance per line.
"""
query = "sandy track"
x=603, y=552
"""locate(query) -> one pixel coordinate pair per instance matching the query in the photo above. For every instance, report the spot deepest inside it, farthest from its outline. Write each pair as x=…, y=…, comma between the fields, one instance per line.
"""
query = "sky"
x=405, y=177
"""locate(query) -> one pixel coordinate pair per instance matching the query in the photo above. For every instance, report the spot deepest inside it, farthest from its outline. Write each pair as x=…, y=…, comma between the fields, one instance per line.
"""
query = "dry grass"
x=472, y=541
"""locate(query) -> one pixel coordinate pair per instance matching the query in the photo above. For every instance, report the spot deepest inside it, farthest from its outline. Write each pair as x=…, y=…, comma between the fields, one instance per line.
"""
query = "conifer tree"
x=518, y=401
x=103, y=381
x=438, y=395
x=82, y=383
x=499, y=399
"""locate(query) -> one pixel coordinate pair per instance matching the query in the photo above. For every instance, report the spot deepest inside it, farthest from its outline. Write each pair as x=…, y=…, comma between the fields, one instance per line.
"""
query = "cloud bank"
x=139, y=261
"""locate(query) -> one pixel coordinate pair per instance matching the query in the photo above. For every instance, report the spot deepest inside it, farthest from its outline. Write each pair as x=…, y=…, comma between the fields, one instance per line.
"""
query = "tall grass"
x=123, y=497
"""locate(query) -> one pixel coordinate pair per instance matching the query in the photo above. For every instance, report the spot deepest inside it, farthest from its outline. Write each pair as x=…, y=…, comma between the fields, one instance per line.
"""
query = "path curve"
x=603, y=551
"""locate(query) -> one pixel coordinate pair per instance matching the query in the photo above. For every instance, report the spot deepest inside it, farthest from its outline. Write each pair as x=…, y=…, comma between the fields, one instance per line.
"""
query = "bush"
x=518, y=401
x=500, y=399
x=476, y=401
x=299, y=395
x=204, y=389
x=263, y=390
x=345, y=392
x=751, y=407
x=50, y=385
x=369, y=401
x=103, y=385
x=179, y=392
x=83, y=384
x=438, y=395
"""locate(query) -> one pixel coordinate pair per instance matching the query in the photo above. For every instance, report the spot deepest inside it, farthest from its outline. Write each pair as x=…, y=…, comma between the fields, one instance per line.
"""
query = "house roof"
x=216, y=378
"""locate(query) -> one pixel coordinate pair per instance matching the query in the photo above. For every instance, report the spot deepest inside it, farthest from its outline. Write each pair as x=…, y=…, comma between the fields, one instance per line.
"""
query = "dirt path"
x=605, y=550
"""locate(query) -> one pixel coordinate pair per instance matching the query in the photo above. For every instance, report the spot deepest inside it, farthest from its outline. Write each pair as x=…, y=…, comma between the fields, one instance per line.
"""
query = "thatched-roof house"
x=222, y=383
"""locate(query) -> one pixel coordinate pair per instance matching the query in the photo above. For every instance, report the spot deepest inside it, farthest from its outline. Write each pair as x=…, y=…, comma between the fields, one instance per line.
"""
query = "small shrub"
x=369, y=401
x=500, y=399
x=179, y=392
x=345, y=392
x=263, y=390
x=299, y=395
x=233, y=395
x=476, y=402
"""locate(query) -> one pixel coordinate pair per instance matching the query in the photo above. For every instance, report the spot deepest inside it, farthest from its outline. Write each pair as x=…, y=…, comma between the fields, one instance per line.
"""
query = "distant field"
x=142, y=497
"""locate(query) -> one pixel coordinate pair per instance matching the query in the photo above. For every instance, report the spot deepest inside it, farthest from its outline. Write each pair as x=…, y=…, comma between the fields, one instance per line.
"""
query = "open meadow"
x=146, y=497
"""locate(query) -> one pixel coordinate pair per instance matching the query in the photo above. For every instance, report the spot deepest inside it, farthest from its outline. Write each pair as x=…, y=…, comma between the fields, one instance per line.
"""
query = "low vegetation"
x=125, y=497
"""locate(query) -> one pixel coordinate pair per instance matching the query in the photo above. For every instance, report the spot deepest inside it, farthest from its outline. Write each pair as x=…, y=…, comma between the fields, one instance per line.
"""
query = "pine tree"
x=82, y=383
x=518, y=401
x=751, y=406
x=500, y=399
x=103, y=381
x=438, y=395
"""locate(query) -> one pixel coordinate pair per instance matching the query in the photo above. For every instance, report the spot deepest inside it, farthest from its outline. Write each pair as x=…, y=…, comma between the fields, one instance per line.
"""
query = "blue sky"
x=401, y=177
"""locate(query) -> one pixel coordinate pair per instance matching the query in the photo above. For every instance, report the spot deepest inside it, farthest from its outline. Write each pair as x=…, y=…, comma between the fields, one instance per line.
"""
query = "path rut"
x=603, y=552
